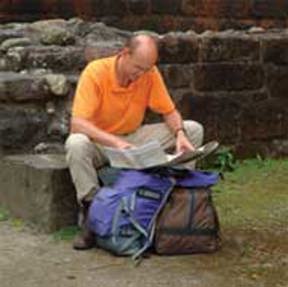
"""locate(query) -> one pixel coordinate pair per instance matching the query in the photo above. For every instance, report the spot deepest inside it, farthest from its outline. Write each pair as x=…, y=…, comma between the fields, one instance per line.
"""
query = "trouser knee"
x=77, y=145
x=195, y=132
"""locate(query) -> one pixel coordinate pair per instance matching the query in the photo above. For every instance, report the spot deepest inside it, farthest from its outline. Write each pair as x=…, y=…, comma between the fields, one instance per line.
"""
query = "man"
x=109, y=106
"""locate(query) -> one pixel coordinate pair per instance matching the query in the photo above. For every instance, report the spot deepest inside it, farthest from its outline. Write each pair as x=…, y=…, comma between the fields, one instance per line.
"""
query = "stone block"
x=178, y=48
x=21, y=87
x=266, y=120
x=277, y=82
x=6, y=34
x=54, y=35
x=221, y=113
x=170, y=7
x=228, y=77
x=218, y=114
x=269, y=9
x=275, y=51
x=138, y=6
x=38, y=189
x=229, y=48
x=101, y=49
x=107, y=7
x=177, y=76
x=15, y=42
x=61, y=59
x=217, y=8
x=21, y=127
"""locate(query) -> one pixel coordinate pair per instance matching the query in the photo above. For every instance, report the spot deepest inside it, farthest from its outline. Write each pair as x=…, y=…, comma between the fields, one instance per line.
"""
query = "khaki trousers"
x=84, y=157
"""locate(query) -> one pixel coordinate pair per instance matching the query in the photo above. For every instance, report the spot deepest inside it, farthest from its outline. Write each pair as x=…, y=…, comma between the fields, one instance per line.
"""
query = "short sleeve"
x=87, y=96
x=159, y=100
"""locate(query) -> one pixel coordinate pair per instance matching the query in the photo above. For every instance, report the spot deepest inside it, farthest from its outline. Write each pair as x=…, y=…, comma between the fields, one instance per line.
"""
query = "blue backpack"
x=123, y=215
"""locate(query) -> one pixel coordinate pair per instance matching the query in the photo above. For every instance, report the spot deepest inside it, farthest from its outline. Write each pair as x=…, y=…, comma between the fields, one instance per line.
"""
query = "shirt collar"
x=115, y=85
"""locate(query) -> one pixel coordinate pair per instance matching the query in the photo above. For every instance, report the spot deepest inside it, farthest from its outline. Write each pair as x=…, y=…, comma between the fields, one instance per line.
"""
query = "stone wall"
x=159, y=15
x=234, y=82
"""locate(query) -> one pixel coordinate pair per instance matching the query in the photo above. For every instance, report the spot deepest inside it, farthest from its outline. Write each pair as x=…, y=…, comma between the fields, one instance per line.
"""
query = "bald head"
x=138, y=56
x=143, y=45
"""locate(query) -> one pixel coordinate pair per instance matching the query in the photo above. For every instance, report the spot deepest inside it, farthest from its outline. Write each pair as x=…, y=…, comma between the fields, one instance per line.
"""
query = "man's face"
x=136, y=65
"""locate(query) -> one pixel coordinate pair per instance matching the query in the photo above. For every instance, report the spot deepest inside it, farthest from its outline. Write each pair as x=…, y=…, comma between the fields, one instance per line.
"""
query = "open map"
x=152, y=154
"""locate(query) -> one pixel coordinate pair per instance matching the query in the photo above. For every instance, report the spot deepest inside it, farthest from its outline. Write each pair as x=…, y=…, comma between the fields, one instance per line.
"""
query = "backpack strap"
x=128, y=207
x=137, y=256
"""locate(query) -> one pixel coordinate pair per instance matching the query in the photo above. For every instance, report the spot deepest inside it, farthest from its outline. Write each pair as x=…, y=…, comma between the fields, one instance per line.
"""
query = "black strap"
x=178, y=231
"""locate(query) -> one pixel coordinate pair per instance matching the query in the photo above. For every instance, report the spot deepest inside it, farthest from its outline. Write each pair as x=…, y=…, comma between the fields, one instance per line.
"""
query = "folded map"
x=152, y=154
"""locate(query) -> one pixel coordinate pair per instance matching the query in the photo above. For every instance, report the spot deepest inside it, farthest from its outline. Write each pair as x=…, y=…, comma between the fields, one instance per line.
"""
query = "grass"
x=66, y=234
x=254, y=194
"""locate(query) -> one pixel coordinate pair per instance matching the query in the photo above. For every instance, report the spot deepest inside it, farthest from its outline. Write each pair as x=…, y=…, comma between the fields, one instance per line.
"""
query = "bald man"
x=109, y=106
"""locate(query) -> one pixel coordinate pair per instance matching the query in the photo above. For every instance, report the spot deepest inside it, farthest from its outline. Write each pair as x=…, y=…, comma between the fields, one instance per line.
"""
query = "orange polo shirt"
x=115, y=109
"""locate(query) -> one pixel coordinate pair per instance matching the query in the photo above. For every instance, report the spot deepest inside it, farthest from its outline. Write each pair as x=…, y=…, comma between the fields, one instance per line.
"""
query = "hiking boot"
x=85, y=240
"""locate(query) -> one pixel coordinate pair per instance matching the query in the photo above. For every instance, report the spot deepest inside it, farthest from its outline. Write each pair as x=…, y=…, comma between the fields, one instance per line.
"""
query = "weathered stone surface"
x=276, y=51
x=3, y=64
x=227, y=47
x=198, y=15
x=21, y=127
x=178, y=48
x=38, y=189
x=52, y=32
x=101, y=32
x=217, y=8
x=138, y=6
x=177, y=76
x=267, y=120
x=223, y=114
x=15, y=42
x=9, y=34
x=277, y=81
x=69, y=58
x=170, y=7
x=57, y=36
x=58, y=128
x=46, y=24
x=112, y=7
x=49, y=148
x=57, y=84
x=228, y=77
x=219, y=115
x=14, y=59
x=177, y=96
x=21, y=87
x=101, y=50
x=270, y=8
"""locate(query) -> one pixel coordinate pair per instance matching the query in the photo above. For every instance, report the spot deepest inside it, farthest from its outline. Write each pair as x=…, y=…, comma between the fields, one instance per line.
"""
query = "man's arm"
x=80, y=125
x=175, y=123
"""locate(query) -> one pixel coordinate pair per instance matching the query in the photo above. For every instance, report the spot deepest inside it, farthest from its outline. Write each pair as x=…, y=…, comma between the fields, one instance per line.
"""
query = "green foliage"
x=66, y=233
x=225, y=160
x=17, y=222
x=4, y=214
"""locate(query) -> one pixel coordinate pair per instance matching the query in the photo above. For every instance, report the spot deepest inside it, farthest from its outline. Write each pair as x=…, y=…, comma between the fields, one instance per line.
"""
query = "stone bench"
x=38, y=189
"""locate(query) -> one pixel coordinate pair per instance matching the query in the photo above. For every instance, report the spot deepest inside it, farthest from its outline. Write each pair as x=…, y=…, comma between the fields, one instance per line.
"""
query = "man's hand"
x=182, y=143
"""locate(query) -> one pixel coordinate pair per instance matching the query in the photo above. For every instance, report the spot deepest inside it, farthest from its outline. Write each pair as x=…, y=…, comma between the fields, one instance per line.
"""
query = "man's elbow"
x=171, y=114
x=76, y=125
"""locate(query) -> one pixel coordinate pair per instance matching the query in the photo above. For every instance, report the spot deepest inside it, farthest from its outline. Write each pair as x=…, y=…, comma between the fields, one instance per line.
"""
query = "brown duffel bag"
x=188, y=223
